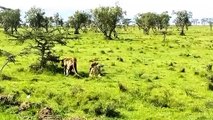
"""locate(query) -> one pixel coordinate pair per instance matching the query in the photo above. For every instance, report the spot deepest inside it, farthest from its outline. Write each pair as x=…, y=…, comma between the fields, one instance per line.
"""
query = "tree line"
x=105, y=19
x=47, y=31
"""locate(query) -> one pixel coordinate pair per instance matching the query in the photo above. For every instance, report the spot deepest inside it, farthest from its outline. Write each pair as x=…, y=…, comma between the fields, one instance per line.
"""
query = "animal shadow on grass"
x=53, y=68
x=83, y=74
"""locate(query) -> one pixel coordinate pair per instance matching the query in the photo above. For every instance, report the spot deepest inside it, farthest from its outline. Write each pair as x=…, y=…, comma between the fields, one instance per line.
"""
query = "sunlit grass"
x=163, y=81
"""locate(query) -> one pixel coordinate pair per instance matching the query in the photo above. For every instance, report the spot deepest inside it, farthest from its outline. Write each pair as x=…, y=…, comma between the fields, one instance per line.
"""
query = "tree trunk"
x=16, y=29
x=5, y=29
x=182, y=31
x=164, y=37
x=43, y=59
x=46, y=28
x=12, y=30
x=76, y=31
x=115, y=34
x=108, y=37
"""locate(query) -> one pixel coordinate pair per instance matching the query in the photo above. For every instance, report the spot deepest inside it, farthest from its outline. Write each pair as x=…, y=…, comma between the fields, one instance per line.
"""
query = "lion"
x=95, y=70
x=70, y=65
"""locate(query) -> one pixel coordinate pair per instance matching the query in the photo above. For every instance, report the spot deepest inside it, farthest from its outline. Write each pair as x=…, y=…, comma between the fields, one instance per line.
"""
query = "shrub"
x=20, y=69
x=76, y=89
x=1, y=89
x=103, y=52
x=211, y=86
x=210, y=77
x=209, y=67
x=183, y=70
x=112, y=64
x=111, y=111
x=120, y=59
x=28, y=91
x=35, y=68
x=209, y=104
x=196, y=72
x=122, y=87
x=5, y=77
x=99, y=110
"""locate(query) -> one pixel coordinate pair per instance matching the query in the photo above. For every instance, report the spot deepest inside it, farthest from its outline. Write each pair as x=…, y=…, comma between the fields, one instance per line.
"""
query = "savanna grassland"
x=144, y=78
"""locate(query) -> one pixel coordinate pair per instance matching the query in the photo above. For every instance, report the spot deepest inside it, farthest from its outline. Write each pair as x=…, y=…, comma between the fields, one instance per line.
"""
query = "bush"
x=209, y=104
x=211, y=86
x=160, y=98
x=209, y=67
x=99, y=110
x=122, y=87
x=20, y=69
x=103, y=52
x=5, y=77
x=111, y=111
x=120, y=59
x=210, y=77
x=1, y=89
x=35, y=68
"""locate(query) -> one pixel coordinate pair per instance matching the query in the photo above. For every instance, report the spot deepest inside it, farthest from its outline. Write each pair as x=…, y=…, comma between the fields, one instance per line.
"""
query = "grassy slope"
x=156, y=90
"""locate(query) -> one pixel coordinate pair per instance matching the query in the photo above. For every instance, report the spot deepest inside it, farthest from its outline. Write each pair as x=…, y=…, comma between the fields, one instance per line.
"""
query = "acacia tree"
x=164, y=19
x=10, y=19
x=204, y=21
x=36, y=19
x=106, y=19
x=183, y=20
x=58, y=20
x=210, y=22
x=147, y=21
x=44, y=42
x=195, y=21
x=79, y=19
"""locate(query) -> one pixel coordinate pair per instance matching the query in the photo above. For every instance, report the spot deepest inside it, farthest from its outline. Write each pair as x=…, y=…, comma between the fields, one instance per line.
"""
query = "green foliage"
x=163, y=22
x=147, y=21
x=43, y=44
x=142, y=77
x=78, y=20
x=36, y=19
x=183, y=20
x=57, y=20
x=106, y=19
x=10, y=19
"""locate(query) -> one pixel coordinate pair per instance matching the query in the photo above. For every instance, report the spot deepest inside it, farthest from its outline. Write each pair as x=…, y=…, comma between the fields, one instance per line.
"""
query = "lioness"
x=70, y=65
x=95, y=69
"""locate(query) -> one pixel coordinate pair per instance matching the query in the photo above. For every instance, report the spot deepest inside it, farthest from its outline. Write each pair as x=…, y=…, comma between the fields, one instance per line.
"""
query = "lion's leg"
x=67, y=71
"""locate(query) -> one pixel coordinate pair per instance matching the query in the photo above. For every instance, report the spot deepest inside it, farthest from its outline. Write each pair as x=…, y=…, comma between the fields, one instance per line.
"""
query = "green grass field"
x=160, y=81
